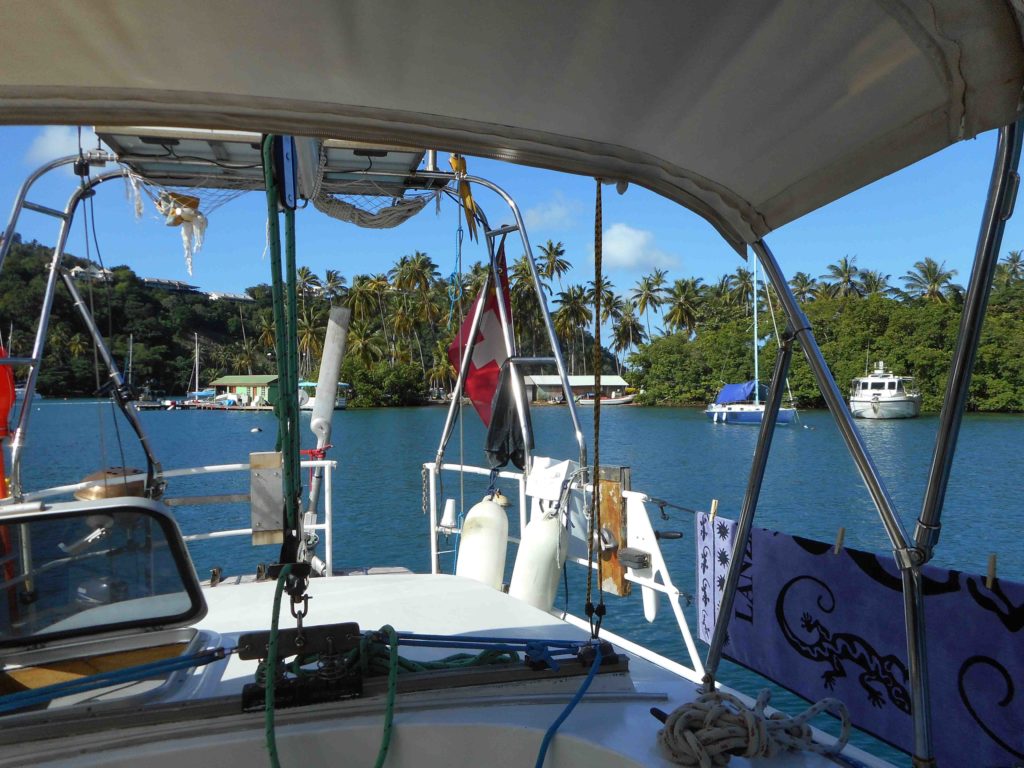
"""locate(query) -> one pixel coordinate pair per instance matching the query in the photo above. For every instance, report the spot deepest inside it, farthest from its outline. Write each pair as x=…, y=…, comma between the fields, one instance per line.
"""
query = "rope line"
x=708, y=731
x=577, y=697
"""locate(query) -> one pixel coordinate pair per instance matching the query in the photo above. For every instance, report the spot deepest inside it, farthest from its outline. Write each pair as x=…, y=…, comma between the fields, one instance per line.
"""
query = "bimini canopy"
x=751, y=114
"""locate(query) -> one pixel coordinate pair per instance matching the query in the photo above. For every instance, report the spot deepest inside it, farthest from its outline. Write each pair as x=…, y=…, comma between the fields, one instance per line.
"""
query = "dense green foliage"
x=913, y=331
x=403, y=322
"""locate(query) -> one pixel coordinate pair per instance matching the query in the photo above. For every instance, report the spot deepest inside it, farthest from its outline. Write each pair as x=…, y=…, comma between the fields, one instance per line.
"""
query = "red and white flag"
x=489, y=350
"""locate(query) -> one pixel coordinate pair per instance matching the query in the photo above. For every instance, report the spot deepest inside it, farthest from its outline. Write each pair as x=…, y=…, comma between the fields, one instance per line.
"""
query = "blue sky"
x=931, y=209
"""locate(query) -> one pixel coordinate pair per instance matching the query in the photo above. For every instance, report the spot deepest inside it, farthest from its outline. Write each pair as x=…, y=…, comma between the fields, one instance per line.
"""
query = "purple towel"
x=823, y=624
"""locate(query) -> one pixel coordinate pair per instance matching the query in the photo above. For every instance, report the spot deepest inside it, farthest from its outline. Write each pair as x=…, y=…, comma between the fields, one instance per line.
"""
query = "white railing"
x=33, y=501
x=653, y=580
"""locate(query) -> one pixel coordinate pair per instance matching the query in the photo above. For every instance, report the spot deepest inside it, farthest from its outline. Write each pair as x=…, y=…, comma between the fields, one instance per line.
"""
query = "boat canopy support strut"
x=121, y=393
x=750, y=497
x=1002, y=195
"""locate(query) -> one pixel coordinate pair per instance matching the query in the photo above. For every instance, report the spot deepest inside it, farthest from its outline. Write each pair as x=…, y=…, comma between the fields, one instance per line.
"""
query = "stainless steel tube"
x=998, y=207
x=18, y=442
x=750, y=497
x=836, y=404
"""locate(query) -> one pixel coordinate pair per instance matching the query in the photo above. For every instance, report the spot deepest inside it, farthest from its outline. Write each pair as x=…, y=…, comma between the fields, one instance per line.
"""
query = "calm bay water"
x=811, y=486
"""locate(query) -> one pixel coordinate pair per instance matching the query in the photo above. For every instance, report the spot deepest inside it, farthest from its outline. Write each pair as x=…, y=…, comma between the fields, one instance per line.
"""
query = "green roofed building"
x=248, y=390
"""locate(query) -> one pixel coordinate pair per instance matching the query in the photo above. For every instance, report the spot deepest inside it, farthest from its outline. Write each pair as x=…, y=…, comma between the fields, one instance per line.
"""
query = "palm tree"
x=572, y=317
x=77, y=345
x=628, y=331
x=307, y=284
x=742, y=292
x=364, y=342
x=930, y=280
x=333, y=285
x=1011, y=269
x=552, y=263
x=684, y=303
x=607, y=297
x=265, y=330
x=874, y=282
x=649, y=294
x=843, y=276
x=361, y=297
x=803, y=286
x=310, y=340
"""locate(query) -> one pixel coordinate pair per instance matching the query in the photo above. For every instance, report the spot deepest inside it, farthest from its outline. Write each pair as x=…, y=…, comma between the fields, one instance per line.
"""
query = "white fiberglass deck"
x=497, y=724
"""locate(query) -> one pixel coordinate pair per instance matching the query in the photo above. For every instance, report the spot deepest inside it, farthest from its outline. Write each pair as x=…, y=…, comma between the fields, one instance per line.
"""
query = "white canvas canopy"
x=749, y=113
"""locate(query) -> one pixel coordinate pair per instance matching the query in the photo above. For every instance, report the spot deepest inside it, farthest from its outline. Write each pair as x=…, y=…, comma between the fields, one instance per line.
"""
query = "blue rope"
x=455, y=279
x=568, y=708
x=22, y=699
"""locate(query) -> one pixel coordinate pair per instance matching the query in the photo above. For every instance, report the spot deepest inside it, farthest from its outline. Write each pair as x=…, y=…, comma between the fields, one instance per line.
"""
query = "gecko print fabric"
x=825, y=624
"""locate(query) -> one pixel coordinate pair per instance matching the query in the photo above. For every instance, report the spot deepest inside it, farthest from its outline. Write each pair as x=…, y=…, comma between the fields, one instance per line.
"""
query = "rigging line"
x=110, y=322
x=778, y=338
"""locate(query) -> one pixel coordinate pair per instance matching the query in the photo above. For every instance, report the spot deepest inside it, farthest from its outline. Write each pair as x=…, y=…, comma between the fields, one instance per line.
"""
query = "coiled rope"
x=711, y=729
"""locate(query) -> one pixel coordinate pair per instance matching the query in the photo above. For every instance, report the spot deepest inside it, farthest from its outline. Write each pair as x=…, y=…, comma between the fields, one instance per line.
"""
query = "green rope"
x=286, y=341
x=271, y=670
x=389, y=707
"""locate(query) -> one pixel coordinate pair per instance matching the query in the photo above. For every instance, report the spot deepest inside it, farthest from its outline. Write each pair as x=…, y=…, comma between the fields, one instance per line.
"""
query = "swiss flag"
x=489, y=350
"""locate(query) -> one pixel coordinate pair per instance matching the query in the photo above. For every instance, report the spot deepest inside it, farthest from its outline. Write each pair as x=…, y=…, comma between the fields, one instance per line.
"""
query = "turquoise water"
x=811, y=486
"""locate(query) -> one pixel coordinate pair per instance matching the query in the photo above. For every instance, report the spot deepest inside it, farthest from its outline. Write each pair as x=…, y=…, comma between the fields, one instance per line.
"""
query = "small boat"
x=884, y=395
x=613, y=399
x=307, y=396
x=744, y=404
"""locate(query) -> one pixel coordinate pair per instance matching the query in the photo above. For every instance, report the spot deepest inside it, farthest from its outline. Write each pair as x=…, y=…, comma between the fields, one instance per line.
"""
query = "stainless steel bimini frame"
x=910, y=553
x=154, y=482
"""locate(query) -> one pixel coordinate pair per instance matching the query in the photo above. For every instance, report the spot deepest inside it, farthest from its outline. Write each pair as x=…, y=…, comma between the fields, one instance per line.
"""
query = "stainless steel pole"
x=460, y=381
x=907, y=559
x=836, y=404
x=1002, y=194
x=750, y=497
x=18, y=442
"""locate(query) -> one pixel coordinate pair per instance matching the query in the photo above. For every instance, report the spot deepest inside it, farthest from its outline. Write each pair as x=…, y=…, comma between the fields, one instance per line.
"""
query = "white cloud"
x=628, y=248
x=557, y=212
x=57, y=141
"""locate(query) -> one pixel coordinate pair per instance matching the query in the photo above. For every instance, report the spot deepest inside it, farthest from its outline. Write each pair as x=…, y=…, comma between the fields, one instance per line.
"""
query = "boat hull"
x=894, y=408
x=745, y=413
x=625, y=400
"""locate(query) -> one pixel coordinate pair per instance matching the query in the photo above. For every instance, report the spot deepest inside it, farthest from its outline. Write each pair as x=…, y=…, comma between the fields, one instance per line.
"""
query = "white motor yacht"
x=884, y=395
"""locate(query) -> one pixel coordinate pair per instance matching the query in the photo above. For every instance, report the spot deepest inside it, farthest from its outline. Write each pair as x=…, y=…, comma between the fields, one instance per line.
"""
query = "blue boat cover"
x=823, y=624
x=741, y=393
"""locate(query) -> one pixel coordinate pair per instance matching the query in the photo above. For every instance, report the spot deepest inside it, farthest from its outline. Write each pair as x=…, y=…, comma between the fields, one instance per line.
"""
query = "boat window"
x=878, y=385
x=892, y=385
x=93, y=570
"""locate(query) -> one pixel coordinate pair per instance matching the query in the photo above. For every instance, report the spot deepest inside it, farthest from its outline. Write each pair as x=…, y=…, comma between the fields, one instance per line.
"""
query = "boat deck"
x=446, y=725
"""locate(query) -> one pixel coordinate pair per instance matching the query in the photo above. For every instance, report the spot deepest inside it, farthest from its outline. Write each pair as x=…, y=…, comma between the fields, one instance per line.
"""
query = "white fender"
x=483, y=544
x=539, y=561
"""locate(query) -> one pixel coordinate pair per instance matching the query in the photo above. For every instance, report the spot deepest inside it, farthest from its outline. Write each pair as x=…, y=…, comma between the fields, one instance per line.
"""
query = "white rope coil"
x=708, y=731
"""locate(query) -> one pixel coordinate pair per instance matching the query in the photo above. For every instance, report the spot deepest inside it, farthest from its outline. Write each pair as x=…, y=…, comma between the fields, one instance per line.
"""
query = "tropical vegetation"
x=677, y=340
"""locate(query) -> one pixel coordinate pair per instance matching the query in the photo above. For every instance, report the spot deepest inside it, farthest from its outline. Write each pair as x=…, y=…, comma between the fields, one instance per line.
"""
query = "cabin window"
x=878, y=385
x=892, y=385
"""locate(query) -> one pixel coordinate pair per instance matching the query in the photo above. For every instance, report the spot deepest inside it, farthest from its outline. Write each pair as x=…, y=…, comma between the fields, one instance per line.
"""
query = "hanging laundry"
x=827, y=624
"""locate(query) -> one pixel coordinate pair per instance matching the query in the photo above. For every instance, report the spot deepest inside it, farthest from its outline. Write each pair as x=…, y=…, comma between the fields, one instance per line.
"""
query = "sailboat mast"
x=757, y=383
x=196, y=390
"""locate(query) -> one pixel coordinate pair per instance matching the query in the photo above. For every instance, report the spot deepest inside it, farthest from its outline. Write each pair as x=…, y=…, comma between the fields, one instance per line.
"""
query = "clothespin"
x=990, y=579
x=714, y=509
x=840, y=535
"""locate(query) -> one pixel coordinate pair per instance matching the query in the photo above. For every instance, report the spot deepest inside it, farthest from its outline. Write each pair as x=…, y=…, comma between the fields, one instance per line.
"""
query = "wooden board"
x=613, y=518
